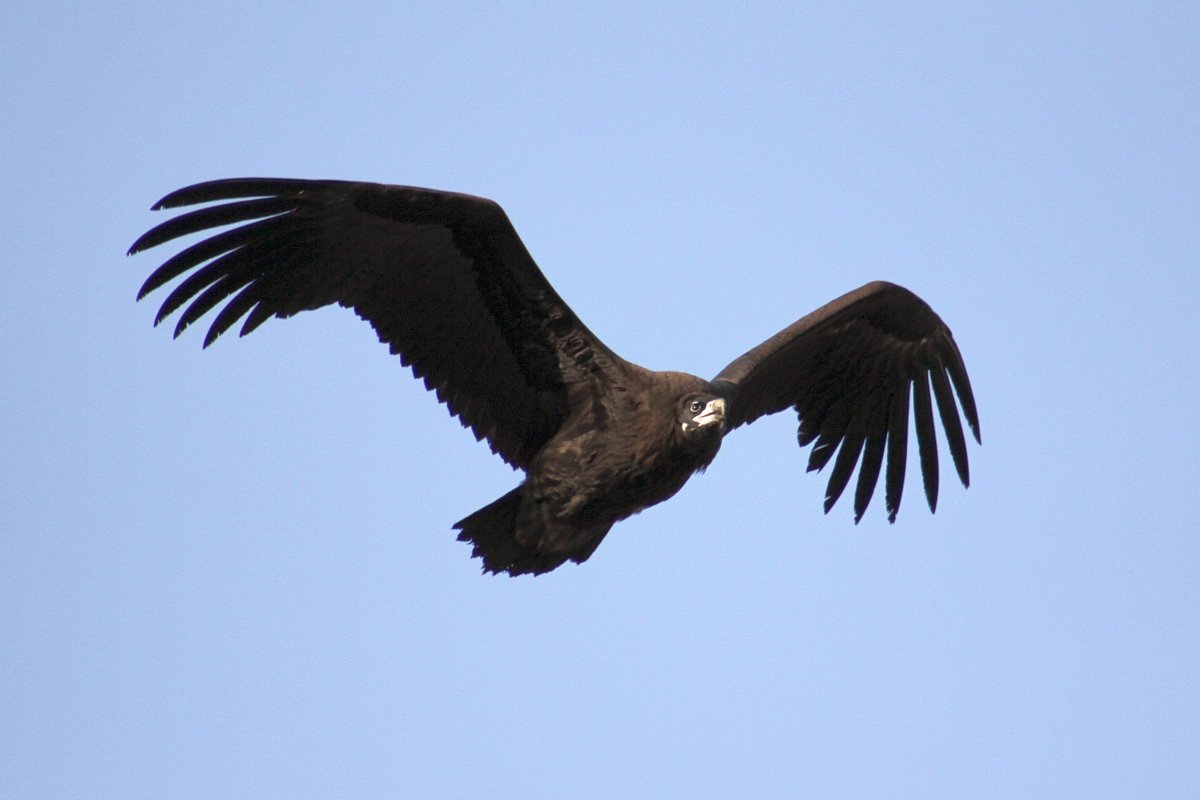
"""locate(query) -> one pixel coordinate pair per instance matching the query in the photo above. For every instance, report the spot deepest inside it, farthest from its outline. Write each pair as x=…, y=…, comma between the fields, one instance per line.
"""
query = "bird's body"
x=446, y=283
x=612, y=458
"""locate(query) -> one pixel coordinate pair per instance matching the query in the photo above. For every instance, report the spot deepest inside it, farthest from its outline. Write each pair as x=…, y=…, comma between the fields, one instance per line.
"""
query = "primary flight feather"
x=447, y=284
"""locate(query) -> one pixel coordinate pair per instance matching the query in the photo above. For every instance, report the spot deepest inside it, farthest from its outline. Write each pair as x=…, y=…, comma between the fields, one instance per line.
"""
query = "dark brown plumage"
x=447, y=284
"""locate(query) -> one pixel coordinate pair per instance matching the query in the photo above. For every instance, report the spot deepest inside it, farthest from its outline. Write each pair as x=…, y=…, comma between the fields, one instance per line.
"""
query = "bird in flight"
x=447, y=284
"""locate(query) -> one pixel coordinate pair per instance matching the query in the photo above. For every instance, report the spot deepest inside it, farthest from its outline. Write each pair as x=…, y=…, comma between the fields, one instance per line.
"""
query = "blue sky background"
x=230, y=573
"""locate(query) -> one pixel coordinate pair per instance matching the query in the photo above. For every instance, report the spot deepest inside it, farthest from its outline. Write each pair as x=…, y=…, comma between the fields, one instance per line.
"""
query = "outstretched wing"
x=443, y=279
x=848, y=369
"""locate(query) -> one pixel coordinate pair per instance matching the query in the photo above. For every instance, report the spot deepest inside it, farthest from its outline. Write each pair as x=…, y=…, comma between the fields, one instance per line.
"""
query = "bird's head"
x=700, y=415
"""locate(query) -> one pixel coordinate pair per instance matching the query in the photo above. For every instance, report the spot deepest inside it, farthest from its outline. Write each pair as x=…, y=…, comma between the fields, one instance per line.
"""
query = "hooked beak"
x=714, y=412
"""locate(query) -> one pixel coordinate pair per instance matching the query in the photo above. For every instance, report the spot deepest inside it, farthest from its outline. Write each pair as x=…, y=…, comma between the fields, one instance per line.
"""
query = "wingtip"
x=138, y=246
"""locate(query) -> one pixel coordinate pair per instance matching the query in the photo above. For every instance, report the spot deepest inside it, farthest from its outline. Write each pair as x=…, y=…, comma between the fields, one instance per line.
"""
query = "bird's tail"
x=492, y=530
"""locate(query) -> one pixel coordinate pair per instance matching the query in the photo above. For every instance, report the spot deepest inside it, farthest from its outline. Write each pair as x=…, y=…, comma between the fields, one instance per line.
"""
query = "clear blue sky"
x=230, y=573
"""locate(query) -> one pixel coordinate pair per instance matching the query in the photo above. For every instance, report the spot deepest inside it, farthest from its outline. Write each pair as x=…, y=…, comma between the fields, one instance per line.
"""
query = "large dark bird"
x=447, y=284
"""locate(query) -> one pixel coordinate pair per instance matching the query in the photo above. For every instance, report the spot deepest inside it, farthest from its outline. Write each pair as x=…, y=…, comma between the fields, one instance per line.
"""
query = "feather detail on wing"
x=443, y=278
x=849, y=369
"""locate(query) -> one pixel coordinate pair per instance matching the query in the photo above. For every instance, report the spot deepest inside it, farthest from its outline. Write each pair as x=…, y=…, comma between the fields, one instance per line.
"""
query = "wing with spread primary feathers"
x=849, y=369
x=443, y=279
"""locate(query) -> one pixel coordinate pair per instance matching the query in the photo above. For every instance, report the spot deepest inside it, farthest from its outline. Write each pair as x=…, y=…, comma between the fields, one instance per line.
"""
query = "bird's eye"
x=695, y=406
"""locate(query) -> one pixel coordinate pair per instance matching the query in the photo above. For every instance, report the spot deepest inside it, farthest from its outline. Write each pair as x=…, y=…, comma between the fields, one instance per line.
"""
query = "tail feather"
x=492, y=532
